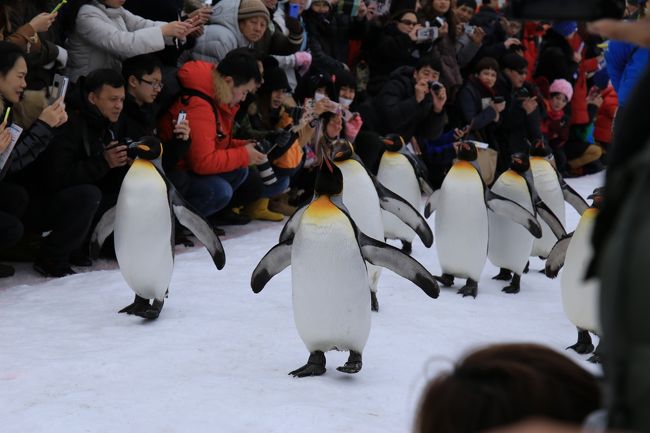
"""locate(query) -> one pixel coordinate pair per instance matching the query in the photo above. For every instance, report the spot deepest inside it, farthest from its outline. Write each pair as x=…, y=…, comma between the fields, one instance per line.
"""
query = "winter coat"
x=474, y=103
x=555, y=127
x=625, y=65
x=76, y=154
x=579, y=112
x=213, y=150
x=400, y=113
x=328, y=39
x=605, y=116
x=394, y=49
x=103, y=37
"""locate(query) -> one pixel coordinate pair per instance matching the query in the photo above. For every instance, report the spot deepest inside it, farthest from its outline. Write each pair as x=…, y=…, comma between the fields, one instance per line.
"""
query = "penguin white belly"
x=143, y=231
x=397, y=174
x=510, y=244
x=362, y=201
x=461, y=223
x=331, y=300
x=580, y=298
x=549, y=189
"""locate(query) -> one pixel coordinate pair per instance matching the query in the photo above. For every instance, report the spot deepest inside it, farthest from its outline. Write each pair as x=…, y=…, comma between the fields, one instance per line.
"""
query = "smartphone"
x=427, y=34
x=7, y=112
x=56, y=9
x=59, y=87
x=469, y=29
x=181, y=116
x=294, y=10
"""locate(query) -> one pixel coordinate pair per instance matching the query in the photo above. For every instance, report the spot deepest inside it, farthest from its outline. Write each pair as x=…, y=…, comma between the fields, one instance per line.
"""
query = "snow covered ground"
x=218, y=357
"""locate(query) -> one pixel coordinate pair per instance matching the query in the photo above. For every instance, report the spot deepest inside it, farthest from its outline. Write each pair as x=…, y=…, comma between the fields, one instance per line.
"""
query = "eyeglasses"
x=408, y=22
x=157, y=85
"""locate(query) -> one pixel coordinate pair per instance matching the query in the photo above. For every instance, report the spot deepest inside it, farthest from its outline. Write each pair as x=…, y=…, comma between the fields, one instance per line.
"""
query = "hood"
x=225, y=13
x=197, y=75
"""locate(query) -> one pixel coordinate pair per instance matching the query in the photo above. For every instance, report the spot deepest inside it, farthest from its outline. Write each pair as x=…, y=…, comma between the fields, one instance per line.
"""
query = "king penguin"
x=401, y=172
x=461, y=220
x=553, y=191
x=143, y=223
x=326, y=251
x=580, y=298
x=510, y=245
x=365, y=197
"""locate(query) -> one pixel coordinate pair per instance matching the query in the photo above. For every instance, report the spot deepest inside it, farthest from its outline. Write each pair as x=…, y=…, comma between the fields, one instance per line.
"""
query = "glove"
x=293, y=25
x=303, y=61
x=353, y=126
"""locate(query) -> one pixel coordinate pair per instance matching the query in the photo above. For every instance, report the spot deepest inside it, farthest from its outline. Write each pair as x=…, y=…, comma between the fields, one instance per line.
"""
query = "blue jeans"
x=209, y=194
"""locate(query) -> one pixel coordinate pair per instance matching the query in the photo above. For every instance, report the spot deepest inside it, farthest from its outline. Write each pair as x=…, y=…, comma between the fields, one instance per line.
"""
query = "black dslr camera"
x=435, y=86
x=265, y=169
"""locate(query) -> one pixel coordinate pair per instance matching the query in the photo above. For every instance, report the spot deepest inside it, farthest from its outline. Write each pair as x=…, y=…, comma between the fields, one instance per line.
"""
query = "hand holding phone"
x=181, y=117
x=6, y=117
x=59, y=87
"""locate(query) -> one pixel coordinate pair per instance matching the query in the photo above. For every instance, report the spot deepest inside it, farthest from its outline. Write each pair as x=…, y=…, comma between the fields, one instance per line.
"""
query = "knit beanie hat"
x=275, y=79
x=561, y=86
x=565, y=28
x=252, y=9
x=601, y=79
x=514, y=61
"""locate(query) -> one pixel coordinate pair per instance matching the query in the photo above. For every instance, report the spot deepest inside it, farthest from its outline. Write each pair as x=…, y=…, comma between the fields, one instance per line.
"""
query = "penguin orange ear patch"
x=144, y=147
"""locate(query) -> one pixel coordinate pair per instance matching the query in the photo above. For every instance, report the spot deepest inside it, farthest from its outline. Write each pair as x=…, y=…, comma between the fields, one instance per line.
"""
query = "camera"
x=266, y=171
x=469, y=29
x=435, y=86
x=427, y=34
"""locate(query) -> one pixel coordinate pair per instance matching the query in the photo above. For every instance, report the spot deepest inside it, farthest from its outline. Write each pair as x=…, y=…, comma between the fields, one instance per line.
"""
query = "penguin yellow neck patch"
x=322, y=207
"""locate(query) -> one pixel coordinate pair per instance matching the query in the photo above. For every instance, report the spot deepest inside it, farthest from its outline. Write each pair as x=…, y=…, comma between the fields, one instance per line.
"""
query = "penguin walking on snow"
x=143, y=222
x=365, y=197
x=510, y=244
x=580, y=298
x=401, y=172
x=553, y=191
x=326, y=251
x=461, y=206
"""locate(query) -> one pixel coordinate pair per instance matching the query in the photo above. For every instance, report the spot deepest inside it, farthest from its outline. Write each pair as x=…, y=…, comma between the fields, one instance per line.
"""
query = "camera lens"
x=266, y=173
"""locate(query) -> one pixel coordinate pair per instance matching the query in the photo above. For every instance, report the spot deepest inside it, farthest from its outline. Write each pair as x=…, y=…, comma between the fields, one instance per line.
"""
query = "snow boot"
x=259, y=210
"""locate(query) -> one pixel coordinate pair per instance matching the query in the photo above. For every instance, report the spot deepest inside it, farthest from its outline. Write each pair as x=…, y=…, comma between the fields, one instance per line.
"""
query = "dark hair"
x=427, y=13
x=431, y=60
x=101, y=77
x=469, y=3
x=139, y=66
x=9, y=55
x=397, y=16
x=487, y=63
x=241, y=65
x=506, y=383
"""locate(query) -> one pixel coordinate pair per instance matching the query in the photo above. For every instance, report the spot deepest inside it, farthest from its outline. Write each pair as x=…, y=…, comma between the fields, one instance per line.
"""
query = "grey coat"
x=103, y=37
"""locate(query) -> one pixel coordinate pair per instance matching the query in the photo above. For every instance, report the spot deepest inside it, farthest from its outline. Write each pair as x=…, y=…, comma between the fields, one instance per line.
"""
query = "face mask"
x=345, y=101
x=318, y=96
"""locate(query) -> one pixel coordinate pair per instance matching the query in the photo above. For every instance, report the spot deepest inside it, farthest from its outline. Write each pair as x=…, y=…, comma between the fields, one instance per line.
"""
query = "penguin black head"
x=519, y=162
x=341, y=150
x=146, y=148
x=467, y=151
x=329, y=179
x=393, y=142
x=597, y=197
x=539, y=149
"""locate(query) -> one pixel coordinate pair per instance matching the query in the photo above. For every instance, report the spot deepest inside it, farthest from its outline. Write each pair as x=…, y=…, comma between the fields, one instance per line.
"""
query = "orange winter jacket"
x=212, y=149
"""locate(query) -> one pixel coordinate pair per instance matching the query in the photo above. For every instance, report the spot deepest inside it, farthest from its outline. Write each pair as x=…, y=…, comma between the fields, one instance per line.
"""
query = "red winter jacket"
x=579, y=113
x=213, y=150
x=605, y=117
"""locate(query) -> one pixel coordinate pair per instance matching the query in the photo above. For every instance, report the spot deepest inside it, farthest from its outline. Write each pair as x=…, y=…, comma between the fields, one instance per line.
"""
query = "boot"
x=259, y=210
x=280, y=204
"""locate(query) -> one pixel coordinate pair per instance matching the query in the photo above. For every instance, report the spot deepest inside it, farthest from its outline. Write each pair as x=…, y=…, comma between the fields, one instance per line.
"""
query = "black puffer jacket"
x=400, y=113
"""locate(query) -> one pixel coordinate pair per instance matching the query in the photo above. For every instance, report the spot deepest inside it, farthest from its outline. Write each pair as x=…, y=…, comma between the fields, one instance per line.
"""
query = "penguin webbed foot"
x=513, y=287
x=153, y=311
x=446, y=280
x=503, y=275
x=139, y=305
x=353, y=364
x=469, y=289
x=315, y=366
x=374, y=303
x=407, y=247
x=584, y=344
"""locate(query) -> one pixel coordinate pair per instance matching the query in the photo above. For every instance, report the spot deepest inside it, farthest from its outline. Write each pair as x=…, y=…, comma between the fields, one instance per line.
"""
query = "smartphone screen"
x=294, y=10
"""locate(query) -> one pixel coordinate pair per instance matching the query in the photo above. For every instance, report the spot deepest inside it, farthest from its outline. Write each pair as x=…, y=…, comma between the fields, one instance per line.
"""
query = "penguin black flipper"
x=289, y=229
x=393, y=203
x=514, y=211
x=431, y=204
x=275, y=261
x=198, y=226
x=104, y=228
x=382, y=254
x=572, y=197
x=549, y=218
x=555, y=259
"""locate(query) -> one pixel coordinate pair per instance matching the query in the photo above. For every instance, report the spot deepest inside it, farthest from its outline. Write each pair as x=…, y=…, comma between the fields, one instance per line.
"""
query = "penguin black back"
x=329, y=180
